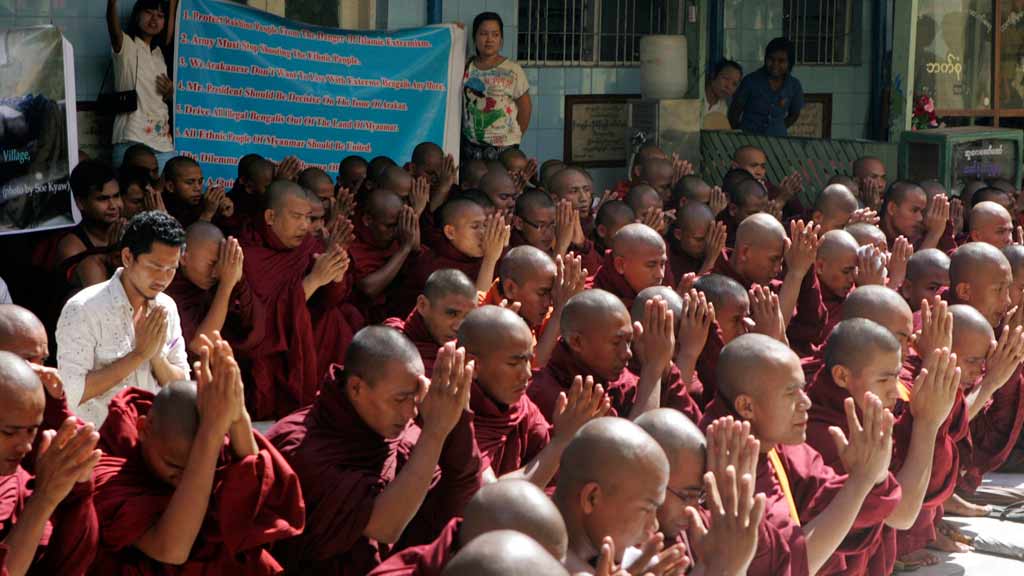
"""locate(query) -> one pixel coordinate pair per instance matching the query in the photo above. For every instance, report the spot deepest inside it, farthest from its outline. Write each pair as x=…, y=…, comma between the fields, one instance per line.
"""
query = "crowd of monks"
x=490, y=369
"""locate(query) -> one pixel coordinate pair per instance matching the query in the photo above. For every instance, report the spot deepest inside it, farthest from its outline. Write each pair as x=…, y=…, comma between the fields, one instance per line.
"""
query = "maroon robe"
x=807, y=328
x=367, y=259
x=416, y=329
x=255, y=501
x=814, y=484
x=557, y=377
x=427, y=559
x=609, y=280
x=591, y=255
x=244, y=324
x=674, y=392
x=248, y=211
x=508, y=436
x=994, y=433
x=680, y=263
x=442, y=255
x=186, y=214
x=344, y=465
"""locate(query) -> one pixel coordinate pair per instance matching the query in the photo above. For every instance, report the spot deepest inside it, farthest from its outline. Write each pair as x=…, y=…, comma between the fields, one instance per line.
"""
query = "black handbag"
x=114, y=103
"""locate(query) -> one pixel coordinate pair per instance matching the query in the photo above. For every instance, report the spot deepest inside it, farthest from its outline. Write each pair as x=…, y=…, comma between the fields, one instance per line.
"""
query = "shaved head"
x=720, y=290
x=746, y=192
x=395, y=179
x=868, y=234
x=611, y=217
x=926, y=261
x=518, y=505
x=746, y=356
x=486, y=328
x=524, y=262
x=980, y=275
x=382, y=202
x=456, y=207
x=632, y=237
x=531, y=201
x=694, y=217
x=583, y=309
x=669, y=295
x=991, y=223
x=674, y=432
x=202, y=233
x=642, y=197
x=20, y=388
x=280, y=190
x=314, y=179
x=447, y=281
x=374, y=347
x=759, y=230
x=174, y=414
x=834, y=206
x=882, y=306
x=968, y=323
x=835, y=244
x=504, y=553
x=22, y=333
x=1014, y=255
x=854, y=343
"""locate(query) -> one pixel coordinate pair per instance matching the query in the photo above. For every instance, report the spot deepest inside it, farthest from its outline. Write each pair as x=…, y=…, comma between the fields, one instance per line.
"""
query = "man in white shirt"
x=125, y=331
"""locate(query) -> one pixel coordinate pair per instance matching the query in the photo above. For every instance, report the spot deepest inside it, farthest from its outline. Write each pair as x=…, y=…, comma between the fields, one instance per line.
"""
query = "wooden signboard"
x=596, y=134
x=815, y=119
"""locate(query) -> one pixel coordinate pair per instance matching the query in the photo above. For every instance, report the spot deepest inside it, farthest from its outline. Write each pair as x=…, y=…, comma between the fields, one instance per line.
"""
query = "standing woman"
x=769, y=100
x=139, y=65
x=496, y=95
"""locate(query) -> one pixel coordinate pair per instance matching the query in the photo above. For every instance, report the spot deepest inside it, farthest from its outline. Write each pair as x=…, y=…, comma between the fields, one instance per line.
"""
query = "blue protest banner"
x=251, y=82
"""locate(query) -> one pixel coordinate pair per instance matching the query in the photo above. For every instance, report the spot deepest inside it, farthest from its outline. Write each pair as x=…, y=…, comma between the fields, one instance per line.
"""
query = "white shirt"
x=150, y=123
x=96, y=328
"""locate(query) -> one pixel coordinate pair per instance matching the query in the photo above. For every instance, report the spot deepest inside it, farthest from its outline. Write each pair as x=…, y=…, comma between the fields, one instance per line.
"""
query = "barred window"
x=587, y=32
x=821, y=30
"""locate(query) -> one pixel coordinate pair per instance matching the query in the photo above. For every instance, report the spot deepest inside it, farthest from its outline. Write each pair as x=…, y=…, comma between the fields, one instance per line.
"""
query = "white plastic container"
x=663, y=66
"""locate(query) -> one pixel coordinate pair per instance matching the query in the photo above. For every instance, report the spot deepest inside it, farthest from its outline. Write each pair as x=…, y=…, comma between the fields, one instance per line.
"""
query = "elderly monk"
x=47, y=520
x=863, y=356
x=506, y=505
x=367, y=469
x=615, y=497
x=927, y=276
x=386, y=242
x=637, y=261
x=833, y=207
x=813, y=507
x=211, y=293
x=505, y=553
x=989, y=222
x=301, y=286
x=514, y=437
x=835, y=266
x=597, y=333
x=695, y=241
x=185, y=485
x=446, y=300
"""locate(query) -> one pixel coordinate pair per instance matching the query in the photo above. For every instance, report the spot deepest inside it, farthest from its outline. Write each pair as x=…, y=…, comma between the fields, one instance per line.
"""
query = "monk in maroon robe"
x=596, y=335
x=610, y=218
x=636, y=261
x=746, y=198
x=184, y=198
x=732, y=319
x=255, y=173
x=927, y=274
x=924, y=222
x=822, y=515
x=507, y=505
x=302, y=287
x=367, y=470
x=47, y=518
x=448, y=296
x=695, y=242
x=836, y=269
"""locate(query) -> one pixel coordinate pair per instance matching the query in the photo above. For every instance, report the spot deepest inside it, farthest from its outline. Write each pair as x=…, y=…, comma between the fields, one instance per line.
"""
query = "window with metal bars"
x=587, y=32
x=821, y=30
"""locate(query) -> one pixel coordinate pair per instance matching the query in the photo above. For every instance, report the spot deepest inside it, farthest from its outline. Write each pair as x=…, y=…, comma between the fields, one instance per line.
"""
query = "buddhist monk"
x=870, y=173
x=695, y=241
x=833, y=207
x=472, y=171
x=836, y=268
x=429, y=161
x=643, y=198
x=446, y=300
x=597, y=333
x=616, y=496
x=575, y=185
x=98, y=197
x=184, y=196
x=908, y=212
x=255, y=173
x=637, y=261
x=319, y=183
x=211, y=293
x=317, y=216
x=366, y=468
x=535, y=223
x=868, y=234
x=141, y=156
x=1015, y=256
x=927, y=275
x=786, y=194
x=47, y=520
x=611, y=217
x=991, y=223
x=812, y=506
x=137, y=192
x=746, y=197
x=352, y=172
x=299, y=284
x=500, y=188
x=692, y=188
x=732, y=319
x=385, y=245
x=510, y=504
x=505, y=553
x=863, y=356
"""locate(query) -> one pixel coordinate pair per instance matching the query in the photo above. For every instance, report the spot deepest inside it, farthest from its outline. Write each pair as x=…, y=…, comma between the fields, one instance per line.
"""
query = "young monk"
x=869, y=173
x=535, y=223
x=833, y=207
x=732, y=319
x=446, y=300
x=637, y=261
x=386, y=243
x=695, y=241
x=862, y=356
x=596, y=336
x=352, y=173
x=927, y=276
x=366, y=469
x=505, y=553
x=500, y=188
x=137, y=192
x=302, y=287
x=184, y=197
x=746, y=197
x=908, y=212
x=611, y=217
x=575, y=185
x=812, y=507
x=836, y=268
x=1015, y=256
x=211, y=293
x=643, y=198
x=510, y=504
x=170, y=490
x=868, y=235
x=514, y=437
x=47, y=520
x=785, y=194
x=255, y=173
x=991, y=223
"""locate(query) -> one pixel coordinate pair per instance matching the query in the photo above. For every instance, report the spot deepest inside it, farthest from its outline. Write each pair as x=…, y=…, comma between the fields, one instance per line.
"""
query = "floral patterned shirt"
x=489, y=112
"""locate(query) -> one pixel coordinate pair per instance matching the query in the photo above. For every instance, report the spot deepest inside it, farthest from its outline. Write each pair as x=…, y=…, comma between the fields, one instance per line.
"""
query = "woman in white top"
x=718, y=90
x=496, y=95
x=139, y=65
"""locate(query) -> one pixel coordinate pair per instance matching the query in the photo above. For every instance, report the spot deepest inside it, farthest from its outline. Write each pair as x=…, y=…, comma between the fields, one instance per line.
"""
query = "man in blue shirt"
x=769, y=100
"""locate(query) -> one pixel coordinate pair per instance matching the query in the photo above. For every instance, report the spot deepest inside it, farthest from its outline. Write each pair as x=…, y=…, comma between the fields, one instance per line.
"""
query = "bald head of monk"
x=690, y=231
x=380, y=216
x=864, y=356
x=731, y=302
x=167, y=431
x=499, y=187
x=462, y=222
x=518, y=505
x=287, y=214
x=317, y=212
x=836, y=262
x=24, y=401
x=504, y=553
x=502, y=345
x=383, y=379
x=761, y=244
x=639, y=255
x=611, y=217
x=973, y=337
x=991, y=223
x=202, y=253
x=663, y=293
x=319, y=183
x=447, y=298
x=528, y=276
x=762, y=379
x=597, y=328
x=752, y=159
x=747, y=197
x=868, y=235
x=643, y=197
x=397, y=180
x=833, y=207
x=927, y=274
x=1015, y=256
x=882, y=306
x=903, y=210
x=979, y=275
x=22, y=333
x=617, y=494
x=535, y=219
x=686, y=449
